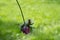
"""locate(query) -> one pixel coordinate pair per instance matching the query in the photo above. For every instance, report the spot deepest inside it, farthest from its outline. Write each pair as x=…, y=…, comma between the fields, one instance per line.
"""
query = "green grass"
x=45, y=13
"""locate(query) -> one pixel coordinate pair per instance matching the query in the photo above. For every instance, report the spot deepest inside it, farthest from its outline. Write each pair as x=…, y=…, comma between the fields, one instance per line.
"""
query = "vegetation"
x=45, y=13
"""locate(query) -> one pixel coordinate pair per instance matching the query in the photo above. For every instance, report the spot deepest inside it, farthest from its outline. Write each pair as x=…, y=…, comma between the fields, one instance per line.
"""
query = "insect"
x=26, y=28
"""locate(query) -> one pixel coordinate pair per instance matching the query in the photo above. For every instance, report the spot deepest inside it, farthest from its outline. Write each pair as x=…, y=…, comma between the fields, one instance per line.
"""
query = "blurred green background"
x=45, y=13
